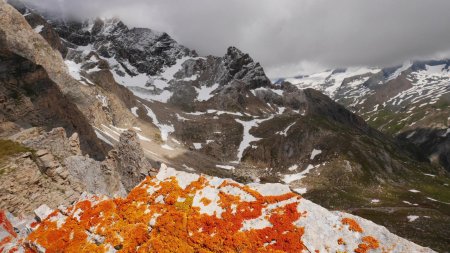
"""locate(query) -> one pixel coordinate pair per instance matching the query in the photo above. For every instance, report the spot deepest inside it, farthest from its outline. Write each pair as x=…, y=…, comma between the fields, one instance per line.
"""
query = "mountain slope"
x=222, y=116
x=395, y=100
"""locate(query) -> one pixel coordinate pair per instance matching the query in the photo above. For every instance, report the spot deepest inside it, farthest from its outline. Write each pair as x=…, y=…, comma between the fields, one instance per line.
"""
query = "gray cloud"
x=289, y=36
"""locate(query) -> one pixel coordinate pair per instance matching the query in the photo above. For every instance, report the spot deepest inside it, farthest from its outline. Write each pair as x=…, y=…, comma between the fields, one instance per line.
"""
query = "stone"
x=42, y=212
x=41, y=152
x=74, y=143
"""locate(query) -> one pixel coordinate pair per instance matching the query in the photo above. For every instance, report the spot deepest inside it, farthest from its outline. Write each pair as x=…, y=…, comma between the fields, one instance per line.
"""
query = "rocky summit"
x=92, y=111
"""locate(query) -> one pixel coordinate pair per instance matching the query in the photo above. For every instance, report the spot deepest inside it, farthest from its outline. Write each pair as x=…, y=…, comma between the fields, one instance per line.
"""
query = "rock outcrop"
x=123, y=169
x=130, y=161
x=181, y=212
x=54, y=172
x=56, y=141
x=28, y=180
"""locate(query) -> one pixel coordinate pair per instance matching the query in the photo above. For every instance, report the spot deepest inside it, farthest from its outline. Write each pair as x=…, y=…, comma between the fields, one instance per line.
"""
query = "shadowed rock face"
x=31, y=99
x=241, y=66
x=434, y=144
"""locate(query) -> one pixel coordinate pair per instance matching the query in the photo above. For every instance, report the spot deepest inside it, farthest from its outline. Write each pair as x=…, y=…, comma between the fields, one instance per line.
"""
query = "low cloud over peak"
x=289, y=36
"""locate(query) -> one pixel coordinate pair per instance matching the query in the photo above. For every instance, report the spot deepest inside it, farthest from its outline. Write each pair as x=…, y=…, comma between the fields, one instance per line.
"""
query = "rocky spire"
x=130, y=161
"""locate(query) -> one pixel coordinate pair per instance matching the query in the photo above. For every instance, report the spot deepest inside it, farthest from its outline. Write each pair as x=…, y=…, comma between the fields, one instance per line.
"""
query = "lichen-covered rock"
x=8, y=237
x=181, y=212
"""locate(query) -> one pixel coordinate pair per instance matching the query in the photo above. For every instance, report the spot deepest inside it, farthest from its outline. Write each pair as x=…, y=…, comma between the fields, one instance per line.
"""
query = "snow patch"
x=314, y=153
x=247, y=138
x=446, y=133
x=164, y=129
x=412, y=218
x=293, y=167
x=102, y=138
x=205, y=92
x=284, y=132
x=225, y=167
x=103, y=99
x=134, y=111
x=74, y=69
x=289, y=178
x=38, y=29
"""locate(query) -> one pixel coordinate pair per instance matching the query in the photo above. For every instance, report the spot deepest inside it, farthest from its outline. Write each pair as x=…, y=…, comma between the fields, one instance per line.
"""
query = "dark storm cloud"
x=289, y=36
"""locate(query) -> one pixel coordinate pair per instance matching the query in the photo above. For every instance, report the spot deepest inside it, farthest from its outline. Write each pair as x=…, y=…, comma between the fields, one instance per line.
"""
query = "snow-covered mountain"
x=411, y=101
x=408, y=91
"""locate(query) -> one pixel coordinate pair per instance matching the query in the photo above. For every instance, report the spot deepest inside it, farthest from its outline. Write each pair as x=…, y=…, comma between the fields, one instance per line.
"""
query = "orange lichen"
x=368, y=243
x=141, y=222
x=11, y=235
x=341, y=241
x=4, y=241
x=6, y=224
x=205, y=201
x=353, y=225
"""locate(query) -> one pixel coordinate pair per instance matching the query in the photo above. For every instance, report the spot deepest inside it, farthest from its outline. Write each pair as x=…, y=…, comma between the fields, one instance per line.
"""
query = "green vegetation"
x=9, y=148
x=441, y=104
x=3, y=171
x=157, y=137
x=436, y=190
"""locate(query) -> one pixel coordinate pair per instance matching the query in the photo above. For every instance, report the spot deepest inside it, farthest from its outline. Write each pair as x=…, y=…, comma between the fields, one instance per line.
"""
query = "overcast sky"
x=289, y=37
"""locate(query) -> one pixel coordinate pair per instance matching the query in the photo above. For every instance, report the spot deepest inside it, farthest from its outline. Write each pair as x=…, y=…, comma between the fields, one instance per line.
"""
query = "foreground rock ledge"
x=182, y=212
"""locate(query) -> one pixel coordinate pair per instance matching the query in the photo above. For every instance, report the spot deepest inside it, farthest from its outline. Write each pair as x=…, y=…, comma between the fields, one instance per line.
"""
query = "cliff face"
x=35, y=87
x=31, y=99
x=181, y=212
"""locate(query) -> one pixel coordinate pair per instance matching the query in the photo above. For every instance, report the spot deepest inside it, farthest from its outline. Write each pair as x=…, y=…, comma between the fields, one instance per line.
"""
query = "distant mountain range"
x=411, y=101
